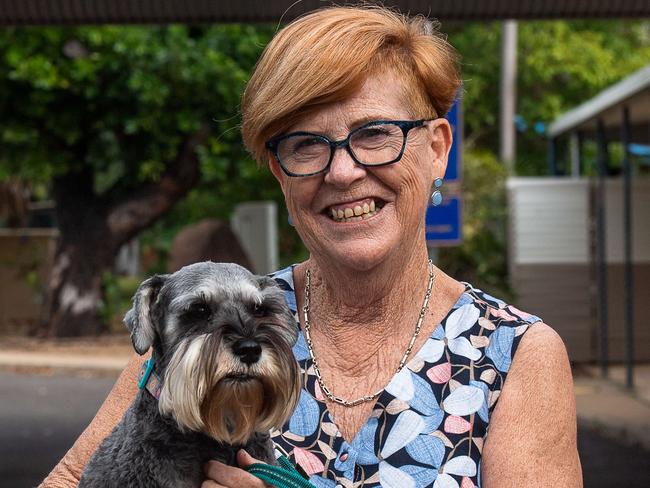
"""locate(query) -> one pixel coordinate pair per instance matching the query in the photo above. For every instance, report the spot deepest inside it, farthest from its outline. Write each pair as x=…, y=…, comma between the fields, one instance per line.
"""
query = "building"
x=581, y=245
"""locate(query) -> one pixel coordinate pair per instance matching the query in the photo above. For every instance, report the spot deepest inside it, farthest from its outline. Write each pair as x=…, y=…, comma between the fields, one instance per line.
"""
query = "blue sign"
x=452, y=175
x=443, y=224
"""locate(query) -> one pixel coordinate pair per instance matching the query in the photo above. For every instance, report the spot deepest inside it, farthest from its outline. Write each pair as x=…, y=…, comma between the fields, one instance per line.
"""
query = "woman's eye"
x=372, y=133
x=306, y=145
x=307, y=141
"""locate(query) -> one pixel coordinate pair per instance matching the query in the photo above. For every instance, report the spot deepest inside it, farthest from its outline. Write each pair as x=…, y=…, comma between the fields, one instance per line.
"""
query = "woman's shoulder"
x=486, y=329
x=538, y=394
x=497, y=310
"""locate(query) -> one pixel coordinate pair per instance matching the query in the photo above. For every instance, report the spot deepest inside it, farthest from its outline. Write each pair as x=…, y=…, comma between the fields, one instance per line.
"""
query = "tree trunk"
x=84, y=251
x=14, y=203
x=92, y=230
x=75, y=289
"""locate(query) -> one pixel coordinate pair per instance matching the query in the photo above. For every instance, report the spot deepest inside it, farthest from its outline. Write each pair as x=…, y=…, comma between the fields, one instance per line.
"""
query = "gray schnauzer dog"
x=222, y=369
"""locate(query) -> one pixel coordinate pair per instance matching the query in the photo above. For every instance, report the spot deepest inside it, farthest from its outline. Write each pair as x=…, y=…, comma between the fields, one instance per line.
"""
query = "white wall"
x=549, y=220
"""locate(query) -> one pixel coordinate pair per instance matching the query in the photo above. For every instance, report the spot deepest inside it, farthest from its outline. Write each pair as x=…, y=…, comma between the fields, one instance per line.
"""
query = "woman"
x=346, y=107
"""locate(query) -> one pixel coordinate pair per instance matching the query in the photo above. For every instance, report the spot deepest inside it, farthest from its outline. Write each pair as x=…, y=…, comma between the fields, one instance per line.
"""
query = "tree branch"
x=126, y=218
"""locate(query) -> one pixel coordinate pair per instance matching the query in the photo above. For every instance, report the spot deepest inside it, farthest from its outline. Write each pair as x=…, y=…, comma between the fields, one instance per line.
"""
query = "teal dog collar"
x=149, y=380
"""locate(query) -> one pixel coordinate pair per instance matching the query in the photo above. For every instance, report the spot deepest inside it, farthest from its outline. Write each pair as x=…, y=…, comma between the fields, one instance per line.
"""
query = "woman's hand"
x=223, y=476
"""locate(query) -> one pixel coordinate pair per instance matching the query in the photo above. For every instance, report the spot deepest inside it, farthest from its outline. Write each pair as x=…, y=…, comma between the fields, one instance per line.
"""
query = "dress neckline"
x=384, y=397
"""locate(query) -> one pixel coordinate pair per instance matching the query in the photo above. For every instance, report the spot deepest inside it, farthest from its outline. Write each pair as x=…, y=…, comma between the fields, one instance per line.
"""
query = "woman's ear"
x=275, y=168
x=441, y=140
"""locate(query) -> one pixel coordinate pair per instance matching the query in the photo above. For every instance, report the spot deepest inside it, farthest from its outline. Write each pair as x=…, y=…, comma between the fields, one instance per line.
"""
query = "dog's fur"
x=214, y=400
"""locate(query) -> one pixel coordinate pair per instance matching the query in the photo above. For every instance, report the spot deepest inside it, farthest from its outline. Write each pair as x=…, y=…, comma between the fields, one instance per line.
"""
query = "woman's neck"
x=347, y=306
x=357, y=292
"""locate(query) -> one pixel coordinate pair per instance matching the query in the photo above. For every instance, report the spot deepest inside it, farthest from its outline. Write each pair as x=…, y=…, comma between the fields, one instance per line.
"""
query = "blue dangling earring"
x=289, y=219
x=436, y=196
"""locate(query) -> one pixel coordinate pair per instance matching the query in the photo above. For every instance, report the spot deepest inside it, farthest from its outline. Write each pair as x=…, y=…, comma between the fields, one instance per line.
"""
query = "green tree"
x=560, y=65
x=482, y=257
x=119, y=122
x=122, y=123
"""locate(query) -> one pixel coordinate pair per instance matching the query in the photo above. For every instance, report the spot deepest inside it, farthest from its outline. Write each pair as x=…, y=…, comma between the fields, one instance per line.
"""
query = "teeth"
x=357, y=213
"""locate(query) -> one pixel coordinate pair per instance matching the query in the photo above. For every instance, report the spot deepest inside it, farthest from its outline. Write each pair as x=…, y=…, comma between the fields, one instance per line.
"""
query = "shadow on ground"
x=41, y=416
x=609, y=464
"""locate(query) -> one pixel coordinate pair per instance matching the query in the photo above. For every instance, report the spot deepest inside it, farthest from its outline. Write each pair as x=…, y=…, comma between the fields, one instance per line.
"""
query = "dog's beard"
x=207, y=389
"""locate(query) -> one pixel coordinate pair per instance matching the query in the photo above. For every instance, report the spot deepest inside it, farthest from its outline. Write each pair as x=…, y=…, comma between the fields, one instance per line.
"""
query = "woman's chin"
x=356, y=255
x=358, y=245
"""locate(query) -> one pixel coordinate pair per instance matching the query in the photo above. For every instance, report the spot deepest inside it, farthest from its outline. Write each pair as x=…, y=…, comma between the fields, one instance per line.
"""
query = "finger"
x=211, y=484
x=244, y=459
x=230, y=476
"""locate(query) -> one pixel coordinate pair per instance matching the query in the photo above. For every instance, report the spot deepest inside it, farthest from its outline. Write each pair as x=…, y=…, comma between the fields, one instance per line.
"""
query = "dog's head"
x=222, y=341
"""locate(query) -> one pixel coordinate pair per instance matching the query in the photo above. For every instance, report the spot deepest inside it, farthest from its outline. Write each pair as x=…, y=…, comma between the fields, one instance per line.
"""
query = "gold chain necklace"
x=367, y=398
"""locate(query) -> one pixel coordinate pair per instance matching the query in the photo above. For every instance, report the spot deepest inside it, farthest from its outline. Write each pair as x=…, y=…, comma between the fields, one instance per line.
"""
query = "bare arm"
x=66, y=474
x=532, y=437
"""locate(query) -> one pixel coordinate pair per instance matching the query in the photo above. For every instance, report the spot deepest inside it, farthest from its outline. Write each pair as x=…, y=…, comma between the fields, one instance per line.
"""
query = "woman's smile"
x=355, y=211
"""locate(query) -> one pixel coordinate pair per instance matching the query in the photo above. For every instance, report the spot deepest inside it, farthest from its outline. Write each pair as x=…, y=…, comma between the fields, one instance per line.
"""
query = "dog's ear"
x=275, y=297
x=265, y=282
x=271, y=290
x=138, y=320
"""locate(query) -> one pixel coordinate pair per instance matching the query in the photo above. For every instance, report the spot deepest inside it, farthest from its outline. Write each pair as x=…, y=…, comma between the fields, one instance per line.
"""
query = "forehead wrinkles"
x=381, y=96
x=216, y=292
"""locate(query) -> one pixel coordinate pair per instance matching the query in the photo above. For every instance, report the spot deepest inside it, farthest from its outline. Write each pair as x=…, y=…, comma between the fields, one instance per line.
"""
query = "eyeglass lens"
x=373, y=145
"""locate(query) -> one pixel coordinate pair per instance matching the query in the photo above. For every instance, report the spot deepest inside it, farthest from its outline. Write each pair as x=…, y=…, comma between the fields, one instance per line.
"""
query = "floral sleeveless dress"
x=429, y=424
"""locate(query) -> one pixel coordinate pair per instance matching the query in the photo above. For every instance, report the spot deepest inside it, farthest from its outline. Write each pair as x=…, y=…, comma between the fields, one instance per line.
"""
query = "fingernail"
x=243, y=457
x=206, y=466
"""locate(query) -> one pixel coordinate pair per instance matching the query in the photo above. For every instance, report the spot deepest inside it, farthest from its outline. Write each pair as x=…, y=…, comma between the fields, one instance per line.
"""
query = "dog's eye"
x=198, y=311
x=259, y=310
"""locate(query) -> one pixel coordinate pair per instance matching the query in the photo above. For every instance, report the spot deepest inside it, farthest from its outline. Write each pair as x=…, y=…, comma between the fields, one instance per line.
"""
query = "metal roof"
x=63, y=12
x=633, y=92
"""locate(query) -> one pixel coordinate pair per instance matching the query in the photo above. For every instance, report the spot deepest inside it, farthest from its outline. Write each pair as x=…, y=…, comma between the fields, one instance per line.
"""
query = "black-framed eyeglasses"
x=376, y=143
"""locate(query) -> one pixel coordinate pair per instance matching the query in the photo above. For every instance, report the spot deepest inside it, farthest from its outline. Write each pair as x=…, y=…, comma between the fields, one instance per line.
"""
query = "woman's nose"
x=343, y=170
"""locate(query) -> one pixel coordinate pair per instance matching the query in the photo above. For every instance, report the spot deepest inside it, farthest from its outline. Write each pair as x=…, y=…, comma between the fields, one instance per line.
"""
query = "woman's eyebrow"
x=355, y=124
x=373, y=118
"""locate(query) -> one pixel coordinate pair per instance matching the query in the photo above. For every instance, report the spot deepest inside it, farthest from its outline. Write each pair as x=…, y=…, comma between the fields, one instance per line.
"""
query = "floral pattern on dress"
x=429, y=424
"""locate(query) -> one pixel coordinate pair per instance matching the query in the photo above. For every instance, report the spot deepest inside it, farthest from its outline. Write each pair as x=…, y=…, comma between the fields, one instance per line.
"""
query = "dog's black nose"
x=248, y=350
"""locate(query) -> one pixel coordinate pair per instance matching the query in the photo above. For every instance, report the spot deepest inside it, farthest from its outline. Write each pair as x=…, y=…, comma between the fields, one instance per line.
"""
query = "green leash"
x=283, y=476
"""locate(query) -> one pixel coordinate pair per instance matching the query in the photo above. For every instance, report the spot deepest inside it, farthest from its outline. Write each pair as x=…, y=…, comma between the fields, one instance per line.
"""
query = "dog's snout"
x=248, y=350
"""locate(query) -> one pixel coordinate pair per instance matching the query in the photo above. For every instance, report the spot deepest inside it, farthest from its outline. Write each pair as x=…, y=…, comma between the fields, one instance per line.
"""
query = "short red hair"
x=325, y=57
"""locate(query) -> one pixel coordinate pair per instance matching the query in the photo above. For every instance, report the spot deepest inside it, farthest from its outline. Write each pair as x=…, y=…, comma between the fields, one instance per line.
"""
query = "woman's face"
x=399, y=192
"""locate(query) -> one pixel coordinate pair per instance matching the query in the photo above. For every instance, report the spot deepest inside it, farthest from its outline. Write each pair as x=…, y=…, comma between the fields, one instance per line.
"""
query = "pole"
x=552, y=156
x=574, y=148
x=629, y=271
x=581, y=140
x=601, y=247
x=508, y=94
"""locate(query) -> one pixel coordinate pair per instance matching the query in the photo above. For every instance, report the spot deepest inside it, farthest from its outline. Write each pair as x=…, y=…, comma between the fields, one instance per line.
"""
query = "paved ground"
x=100, y=355
x=40, y=417
x=608, y=464
x=51, y=391
x=608, y=407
